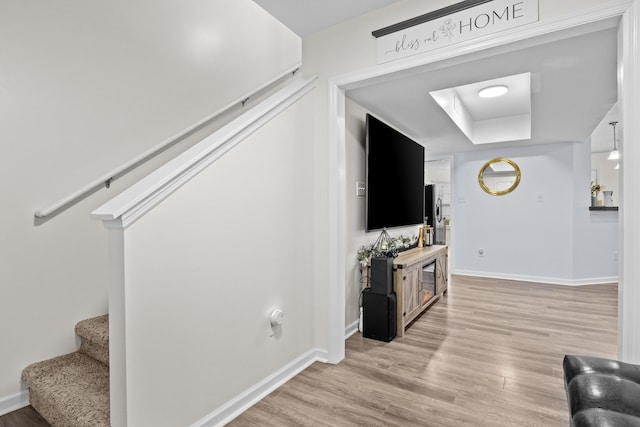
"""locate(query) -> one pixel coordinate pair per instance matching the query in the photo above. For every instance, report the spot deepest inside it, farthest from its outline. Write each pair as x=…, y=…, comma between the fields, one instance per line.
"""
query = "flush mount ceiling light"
x=493, y=91
x=614, y=155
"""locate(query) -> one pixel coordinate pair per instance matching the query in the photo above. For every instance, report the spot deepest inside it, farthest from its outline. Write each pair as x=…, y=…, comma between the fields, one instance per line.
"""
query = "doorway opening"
x=459, y=55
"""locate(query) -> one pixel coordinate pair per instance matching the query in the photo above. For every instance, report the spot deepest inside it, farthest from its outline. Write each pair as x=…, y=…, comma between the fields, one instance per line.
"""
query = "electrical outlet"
x=461, y=199
x=361, y=189
x=481, y=252
x=615, y=255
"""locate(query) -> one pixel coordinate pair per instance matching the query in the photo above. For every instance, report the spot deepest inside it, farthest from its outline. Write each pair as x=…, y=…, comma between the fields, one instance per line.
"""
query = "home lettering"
x=485, y=19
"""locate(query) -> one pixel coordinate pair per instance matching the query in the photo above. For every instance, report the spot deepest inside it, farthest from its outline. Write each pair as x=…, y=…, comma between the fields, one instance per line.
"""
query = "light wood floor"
x=488, y=354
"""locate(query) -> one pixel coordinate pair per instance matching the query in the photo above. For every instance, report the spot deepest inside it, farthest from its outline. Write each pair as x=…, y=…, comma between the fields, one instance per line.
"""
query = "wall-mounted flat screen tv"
x=395, y=177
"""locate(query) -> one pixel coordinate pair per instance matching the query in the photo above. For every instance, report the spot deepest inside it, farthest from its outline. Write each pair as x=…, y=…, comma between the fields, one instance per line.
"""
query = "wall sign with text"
x=468, y=24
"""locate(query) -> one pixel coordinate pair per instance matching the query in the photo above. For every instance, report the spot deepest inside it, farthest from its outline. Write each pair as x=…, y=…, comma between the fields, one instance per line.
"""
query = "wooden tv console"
x=412, y=281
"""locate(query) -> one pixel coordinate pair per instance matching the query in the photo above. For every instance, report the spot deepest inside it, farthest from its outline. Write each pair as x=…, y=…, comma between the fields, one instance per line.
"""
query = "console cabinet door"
x=411, y=292
x=441, y=274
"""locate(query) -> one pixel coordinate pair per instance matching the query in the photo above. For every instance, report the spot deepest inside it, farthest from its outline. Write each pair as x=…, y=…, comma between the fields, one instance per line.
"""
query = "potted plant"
x=595, y=189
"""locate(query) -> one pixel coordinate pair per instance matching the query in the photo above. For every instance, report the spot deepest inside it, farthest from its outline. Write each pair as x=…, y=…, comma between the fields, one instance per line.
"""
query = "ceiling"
x=573, y=80
x=573, y=87
x=305, y=17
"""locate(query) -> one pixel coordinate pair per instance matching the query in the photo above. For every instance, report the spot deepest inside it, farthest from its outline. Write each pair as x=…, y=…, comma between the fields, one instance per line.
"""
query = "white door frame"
x=629, y=103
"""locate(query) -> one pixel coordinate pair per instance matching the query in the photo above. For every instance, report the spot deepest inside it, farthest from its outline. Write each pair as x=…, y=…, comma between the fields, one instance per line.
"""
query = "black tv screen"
x=395, y=177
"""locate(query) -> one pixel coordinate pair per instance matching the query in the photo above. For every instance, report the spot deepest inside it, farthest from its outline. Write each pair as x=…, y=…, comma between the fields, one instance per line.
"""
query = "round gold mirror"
x=499, y=176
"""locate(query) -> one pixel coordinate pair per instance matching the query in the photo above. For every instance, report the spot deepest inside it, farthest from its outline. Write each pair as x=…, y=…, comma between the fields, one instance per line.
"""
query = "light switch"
x=361, y=189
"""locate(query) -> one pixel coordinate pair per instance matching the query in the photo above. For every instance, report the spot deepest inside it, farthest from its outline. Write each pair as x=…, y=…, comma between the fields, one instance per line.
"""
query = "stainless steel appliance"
x=433, y=211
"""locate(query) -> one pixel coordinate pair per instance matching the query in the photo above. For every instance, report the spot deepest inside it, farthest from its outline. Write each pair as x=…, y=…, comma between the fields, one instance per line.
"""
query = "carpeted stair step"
x=95, y=337
x=70, y=390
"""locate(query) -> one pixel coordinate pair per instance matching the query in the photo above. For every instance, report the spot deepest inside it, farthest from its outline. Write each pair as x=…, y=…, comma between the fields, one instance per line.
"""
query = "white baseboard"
x=351, y=329
x=613, y=280
x=253, y=395
x=549, y=280
x=14, y=402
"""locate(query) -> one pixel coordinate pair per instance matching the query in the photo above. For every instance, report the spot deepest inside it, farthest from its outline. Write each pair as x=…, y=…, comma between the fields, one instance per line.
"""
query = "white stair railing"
x=133, y=203
x=106, y=179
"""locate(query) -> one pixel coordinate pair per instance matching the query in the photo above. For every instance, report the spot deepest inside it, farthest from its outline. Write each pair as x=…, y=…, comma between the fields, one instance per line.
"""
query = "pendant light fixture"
x=614, y=155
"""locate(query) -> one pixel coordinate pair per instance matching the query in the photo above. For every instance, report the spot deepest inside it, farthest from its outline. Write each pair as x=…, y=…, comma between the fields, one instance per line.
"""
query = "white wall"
x=355, y=155
x=555, y=240
x=205, y=268
x=515, y=231
x=84, y=87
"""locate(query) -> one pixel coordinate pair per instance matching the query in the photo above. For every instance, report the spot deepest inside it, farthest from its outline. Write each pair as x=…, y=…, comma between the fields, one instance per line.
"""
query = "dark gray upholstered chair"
x=602, y=392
